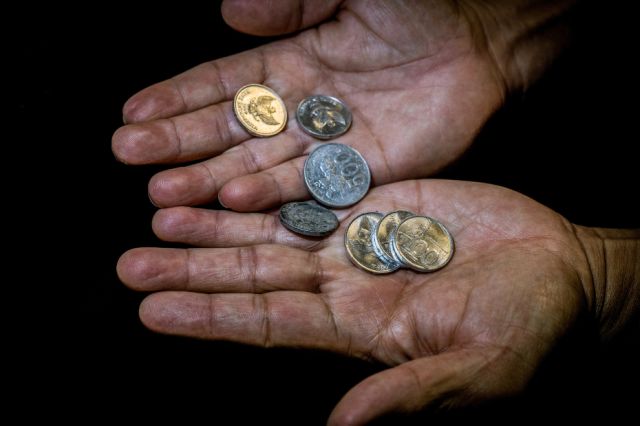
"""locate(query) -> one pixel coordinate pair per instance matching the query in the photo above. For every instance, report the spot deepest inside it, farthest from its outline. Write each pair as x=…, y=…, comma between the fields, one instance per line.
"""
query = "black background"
x=568, y=143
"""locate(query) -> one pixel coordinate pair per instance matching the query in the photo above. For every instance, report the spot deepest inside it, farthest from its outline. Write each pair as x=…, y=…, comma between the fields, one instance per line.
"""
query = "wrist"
x=612, y=287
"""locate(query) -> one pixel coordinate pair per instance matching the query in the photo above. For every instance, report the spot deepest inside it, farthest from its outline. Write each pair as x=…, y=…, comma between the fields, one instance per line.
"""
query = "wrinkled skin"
x=421, y=78
x=415, y=75
x=476, y=329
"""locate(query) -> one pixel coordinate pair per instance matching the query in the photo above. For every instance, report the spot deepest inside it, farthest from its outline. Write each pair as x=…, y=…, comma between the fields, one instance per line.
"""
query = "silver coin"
x=323, y=117
x=308, y=218
x=357, y=242
x=336, y=175
x=385, y=229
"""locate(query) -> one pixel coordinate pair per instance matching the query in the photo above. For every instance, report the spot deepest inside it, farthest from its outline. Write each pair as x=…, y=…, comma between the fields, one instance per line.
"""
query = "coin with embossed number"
x=323, y=117
x=357, y=241
x=422, y=243
x=260, y=110
x=336, y=175
x=308, y=218
x=382, y=235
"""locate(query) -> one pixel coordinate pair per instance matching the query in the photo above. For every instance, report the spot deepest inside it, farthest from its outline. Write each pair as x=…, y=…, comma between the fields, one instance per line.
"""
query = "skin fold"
x=421, y=78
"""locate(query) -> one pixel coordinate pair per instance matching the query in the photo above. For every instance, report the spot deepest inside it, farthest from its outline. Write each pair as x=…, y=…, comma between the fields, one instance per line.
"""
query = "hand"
x=476, y=329
x=420, y=77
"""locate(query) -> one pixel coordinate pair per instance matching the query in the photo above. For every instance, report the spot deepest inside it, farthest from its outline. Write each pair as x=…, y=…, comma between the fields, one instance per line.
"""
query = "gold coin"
x=357, y=241
x=260, y=110
x=385, y=228
x=422, y=243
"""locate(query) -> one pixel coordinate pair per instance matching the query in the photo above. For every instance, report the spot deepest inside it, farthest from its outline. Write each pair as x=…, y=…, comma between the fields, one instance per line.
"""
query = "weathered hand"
x=476, y=329
x=420, y=77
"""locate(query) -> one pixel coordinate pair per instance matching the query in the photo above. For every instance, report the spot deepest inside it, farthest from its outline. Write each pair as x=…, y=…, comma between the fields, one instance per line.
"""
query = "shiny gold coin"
x=260, y=110
x=385, y=228
x=422, y=244
x=357, y=241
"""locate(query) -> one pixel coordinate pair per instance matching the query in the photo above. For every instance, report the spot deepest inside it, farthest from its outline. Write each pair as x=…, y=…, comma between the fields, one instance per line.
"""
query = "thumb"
x=275, y=17
x=449, y=379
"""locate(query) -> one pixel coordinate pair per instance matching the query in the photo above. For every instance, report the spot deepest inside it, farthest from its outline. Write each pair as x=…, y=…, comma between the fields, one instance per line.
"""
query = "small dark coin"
x=308, y=218
x=336, y=175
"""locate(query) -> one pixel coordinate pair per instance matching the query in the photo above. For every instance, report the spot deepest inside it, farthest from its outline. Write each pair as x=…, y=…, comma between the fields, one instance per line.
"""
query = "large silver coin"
x=336, y=175
x=381, y=238
x=308, y=218
x=323, y=117
x=357, y=242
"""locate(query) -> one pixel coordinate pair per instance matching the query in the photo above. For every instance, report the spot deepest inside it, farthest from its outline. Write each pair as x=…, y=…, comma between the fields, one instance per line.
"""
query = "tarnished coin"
x=382, y=236
x=357, y=241
x=260, y=110
x=336, y=175
x=308, y=218
x=323, y=117
x=422, y=243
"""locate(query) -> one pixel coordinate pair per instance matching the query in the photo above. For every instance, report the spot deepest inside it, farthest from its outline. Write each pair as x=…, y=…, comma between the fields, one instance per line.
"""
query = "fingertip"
x=268, y=18
x=153, y=312
x=133, y=267
x=150, y=269
x=159, y=100
x=167, y=188
x=119, y=145
x=175, y=312
x=135, y=144
x=136, y=109
x=248, y=194
x=242, y=16
x=170, y=222
x=181, y=186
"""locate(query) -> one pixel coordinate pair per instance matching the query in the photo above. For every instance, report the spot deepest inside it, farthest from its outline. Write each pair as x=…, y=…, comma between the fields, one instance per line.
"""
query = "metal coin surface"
x=323, y=117
x=308, y=218
x=422, y=244
x=382, y=236
x=357, y=241
x=260, y=110
x=336, y=175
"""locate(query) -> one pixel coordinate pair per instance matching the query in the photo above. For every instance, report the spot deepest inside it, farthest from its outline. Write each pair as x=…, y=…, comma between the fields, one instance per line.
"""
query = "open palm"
x=415, y=75
x=473, y=330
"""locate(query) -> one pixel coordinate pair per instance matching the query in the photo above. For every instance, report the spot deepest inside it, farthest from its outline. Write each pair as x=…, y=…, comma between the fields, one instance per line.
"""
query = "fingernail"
x=221, y=203
x=151, y=200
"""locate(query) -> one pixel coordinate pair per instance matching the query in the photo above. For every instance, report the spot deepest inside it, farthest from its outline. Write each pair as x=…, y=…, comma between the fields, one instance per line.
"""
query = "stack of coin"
x=381, y=243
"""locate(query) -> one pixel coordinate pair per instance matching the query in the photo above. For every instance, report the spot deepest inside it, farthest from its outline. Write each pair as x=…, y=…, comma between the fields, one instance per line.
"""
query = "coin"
x=260, y=110
x=422, y=244
x=357, y=241
x=323, y=117
x=308, y=218
x=382, y=235
x=336, y=175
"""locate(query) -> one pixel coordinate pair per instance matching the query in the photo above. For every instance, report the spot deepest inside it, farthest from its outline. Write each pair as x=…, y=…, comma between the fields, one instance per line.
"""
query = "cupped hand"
x=474, y=330
x=418, y=77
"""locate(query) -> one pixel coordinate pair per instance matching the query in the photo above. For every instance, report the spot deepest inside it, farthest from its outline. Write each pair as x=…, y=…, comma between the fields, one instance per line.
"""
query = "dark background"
x=568, y=143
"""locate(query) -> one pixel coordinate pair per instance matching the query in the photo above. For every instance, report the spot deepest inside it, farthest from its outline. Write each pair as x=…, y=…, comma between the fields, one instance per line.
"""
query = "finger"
x=266, y=18
x=186, y=137
x=443, y=379
x=200, y=183
x=207, y=83
x=254, y=269
x=267, y=189
x=220, y=228
x=273, y=319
